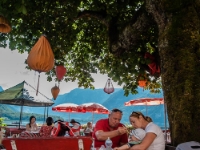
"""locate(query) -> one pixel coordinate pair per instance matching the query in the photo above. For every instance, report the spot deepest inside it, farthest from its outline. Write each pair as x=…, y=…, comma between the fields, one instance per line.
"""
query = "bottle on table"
x=108, y=144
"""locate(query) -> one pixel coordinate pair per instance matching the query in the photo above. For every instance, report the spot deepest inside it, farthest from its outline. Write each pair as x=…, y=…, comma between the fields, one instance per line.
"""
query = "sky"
x=12, y=72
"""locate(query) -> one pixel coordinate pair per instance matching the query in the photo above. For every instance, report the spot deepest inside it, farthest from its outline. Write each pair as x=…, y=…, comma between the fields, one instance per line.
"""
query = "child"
x=136, y=137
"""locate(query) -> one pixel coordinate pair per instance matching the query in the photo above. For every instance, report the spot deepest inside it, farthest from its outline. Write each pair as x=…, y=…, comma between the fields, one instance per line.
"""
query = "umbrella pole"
x=146, y=110
x=20, y=118
x=69, y=116
x=92, y=117
x=47, y=111
x=44, y=113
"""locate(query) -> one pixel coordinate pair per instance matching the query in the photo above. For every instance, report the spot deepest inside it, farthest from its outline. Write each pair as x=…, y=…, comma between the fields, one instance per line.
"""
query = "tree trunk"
x=179, y=49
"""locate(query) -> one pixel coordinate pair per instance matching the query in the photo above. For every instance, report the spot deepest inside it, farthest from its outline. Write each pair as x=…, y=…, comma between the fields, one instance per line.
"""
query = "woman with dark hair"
x=154, y=138
x=32, y=126
x=45, y=130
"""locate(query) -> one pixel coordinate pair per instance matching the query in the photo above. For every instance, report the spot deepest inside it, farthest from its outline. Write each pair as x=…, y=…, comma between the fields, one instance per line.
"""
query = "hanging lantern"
x=55, y=91
x=109, y=87
x=60, y=72
x=142, y=82
x=153, y=66
x=41, y=57
x=4, y=25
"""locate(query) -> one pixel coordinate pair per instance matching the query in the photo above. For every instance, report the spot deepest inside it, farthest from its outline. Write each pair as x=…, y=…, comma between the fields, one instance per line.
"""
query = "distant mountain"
x=80, y=96
x=1, y=89
x=110, y=101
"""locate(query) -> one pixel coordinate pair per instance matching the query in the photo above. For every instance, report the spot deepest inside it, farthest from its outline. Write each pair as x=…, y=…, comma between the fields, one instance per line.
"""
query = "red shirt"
x=45, y=131
x=103, y=125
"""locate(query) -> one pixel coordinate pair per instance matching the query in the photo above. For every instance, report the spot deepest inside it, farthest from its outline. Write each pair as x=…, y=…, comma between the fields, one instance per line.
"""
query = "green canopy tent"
x=23, y=94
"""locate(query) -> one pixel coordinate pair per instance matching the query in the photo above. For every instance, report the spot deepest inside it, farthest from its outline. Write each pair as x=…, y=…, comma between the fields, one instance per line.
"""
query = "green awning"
x=23, y=94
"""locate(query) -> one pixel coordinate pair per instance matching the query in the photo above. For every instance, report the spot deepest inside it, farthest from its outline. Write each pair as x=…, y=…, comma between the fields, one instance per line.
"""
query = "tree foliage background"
x=114, y=37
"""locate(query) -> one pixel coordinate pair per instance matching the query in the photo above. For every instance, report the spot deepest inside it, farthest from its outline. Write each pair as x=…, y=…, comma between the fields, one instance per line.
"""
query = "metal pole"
x=92, y=117
x=44, y=113
x=20, y=118
x=47, y=111
x=146, y=109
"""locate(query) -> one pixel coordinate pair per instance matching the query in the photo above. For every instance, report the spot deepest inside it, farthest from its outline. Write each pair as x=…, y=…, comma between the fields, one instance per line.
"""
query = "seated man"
x=112, y=128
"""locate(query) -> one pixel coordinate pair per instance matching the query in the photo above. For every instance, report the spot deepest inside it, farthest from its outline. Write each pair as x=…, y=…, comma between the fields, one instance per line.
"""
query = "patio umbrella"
x=67, y=107
x=145, y=101
x=23, y=94
x=94, y=108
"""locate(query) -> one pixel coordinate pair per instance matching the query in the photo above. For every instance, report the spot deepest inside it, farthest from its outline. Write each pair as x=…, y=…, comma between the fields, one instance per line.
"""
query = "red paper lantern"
x=60, y=72
x=109, y=87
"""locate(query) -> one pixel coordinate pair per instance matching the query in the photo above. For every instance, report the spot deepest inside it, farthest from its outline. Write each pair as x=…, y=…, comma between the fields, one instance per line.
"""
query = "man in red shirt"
x=112, y=128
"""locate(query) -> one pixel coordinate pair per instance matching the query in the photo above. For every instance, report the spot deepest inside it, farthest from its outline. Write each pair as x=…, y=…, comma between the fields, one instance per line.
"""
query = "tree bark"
x=179, y=49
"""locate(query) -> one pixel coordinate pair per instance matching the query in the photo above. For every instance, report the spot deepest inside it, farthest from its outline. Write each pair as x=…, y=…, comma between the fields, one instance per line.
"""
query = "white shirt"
x=159, y=141
x=76, y=126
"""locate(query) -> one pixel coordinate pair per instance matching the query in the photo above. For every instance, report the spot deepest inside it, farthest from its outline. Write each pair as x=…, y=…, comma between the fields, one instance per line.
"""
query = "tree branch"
x=100, y=15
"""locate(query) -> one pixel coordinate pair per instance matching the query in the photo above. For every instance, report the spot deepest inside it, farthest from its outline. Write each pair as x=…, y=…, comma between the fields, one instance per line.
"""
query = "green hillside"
x=12, y=114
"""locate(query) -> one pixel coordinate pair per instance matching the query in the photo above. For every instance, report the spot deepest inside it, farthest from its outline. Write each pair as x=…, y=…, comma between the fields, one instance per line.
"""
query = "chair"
x=192, y=145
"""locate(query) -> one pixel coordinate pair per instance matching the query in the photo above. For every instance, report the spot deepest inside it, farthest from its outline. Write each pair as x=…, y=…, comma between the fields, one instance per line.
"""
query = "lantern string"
x=58, y=83
x=38, y=84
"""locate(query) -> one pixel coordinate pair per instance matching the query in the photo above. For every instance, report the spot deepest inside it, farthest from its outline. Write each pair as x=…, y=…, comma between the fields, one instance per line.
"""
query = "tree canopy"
x=85, y=37
x=130, y=40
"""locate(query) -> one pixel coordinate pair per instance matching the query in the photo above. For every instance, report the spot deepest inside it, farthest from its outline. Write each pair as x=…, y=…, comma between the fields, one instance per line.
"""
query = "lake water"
x=11, y=122
x=15, y=122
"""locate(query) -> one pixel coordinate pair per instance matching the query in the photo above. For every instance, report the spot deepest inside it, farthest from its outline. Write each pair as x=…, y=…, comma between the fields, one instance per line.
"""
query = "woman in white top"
x=32, y=126
x=154, y=139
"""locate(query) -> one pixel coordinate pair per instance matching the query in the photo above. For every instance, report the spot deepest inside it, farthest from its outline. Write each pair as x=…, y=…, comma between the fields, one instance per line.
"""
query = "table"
x=12, y=131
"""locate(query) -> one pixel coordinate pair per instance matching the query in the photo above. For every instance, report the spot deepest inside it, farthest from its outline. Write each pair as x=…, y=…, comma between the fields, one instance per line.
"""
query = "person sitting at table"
x=76, y=127
x=112, y=128
x=154, y=138
x=32, y=126
x=45, y=130
x=89, y=129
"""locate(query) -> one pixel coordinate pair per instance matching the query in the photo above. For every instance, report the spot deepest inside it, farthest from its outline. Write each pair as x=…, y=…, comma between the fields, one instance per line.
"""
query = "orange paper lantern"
x=142, y=81
x=4, y=25
x=55, y=91
x=41, y=57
